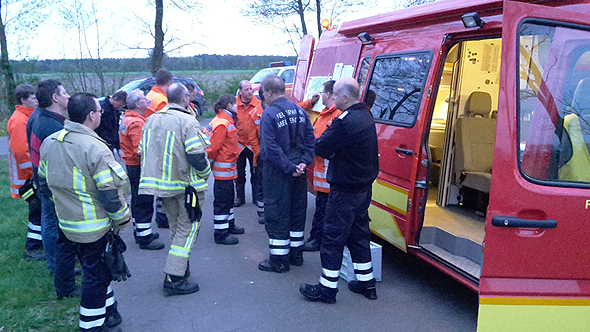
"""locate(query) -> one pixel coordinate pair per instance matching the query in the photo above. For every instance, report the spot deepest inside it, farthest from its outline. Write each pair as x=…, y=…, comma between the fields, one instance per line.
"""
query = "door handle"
x=404, y=151
x=500, y=221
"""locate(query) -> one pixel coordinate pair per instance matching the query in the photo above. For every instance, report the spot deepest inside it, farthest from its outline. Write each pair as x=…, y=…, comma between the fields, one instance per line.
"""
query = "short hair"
x=80, y=105
x=329, y=86
x=45, y=91
x=370, y=98
x=163, y=76
x=132, y=98
x=23, y=91
x=350, y=90
x=273, y=83
x=175, y=93
x=120, y=96
x=261, y=93
x=241, y=84
x=223, y=101
x=190, y=87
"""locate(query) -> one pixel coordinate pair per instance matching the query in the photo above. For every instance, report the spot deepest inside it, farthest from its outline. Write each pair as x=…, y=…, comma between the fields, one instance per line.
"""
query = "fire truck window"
x=363, y=72
x=288, y=75
x=554, y=103
x=398, y=83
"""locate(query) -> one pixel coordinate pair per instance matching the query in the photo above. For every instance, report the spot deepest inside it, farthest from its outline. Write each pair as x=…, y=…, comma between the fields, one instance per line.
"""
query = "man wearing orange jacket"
x=159, y=100
x=320, y=184
x=142, y=206
x=246, y=130
x=20, y=168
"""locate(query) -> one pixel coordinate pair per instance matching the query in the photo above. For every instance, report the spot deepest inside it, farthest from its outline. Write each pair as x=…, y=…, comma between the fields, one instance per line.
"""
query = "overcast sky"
x=219, y=28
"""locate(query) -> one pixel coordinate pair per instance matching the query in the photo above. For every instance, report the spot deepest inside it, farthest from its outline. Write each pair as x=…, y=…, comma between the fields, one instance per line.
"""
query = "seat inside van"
x=474, y=143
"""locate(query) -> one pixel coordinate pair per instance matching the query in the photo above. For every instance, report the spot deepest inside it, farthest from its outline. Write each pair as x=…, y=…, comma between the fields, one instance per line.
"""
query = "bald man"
x=350, y=144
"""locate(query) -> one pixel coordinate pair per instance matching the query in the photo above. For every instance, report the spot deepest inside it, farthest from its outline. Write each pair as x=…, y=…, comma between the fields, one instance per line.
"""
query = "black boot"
x=311, y=245
x=275, y=263
x=187, y=272
x=261, y=218
x=233, y=229
x=151, y=242
x=296, y=256
x=174, y=285
x=228, y=240
x=365, y=288
x=318, y=293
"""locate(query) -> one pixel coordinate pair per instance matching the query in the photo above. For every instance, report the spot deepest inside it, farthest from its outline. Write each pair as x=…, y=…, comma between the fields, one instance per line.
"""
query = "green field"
x=27, y=296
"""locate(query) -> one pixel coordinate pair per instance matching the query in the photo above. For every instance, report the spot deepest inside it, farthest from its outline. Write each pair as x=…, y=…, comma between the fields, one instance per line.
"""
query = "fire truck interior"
x=461, y=142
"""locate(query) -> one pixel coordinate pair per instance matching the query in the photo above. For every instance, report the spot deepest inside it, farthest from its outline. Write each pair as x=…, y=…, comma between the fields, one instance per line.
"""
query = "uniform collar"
x=253, y=103
x=133, y=114
x=176, y=107
x=328, y=110
x=25, y=110
x=79, y=128
x=159, y=90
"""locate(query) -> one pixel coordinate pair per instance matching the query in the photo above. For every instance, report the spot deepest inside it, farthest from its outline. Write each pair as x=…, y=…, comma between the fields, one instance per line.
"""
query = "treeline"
x=198, y=62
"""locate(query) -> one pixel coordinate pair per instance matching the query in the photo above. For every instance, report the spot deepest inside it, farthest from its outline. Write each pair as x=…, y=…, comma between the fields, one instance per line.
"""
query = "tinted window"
x=363, y=72
x=554, y=102
x=288, y=76
x=398, y=83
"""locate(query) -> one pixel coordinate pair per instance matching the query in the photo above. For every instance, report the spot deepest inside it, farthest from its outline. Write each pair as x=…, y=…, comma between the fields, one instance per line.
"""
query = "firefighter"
x=173, y=161
x=86, y=183
x=286, y=148
x=21, y=170
x=320, y=185
x=142, y=206
x=158, y=98
x=350, y=143
x=246, y=130
x=223, y=154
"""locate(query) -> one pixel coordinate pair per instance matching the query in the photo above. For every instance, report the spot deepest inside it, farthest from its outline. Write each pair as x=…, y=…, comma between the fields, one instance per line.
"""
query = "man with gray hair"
x=142, y=206
x=174, y=166
x=350, y=143
x=286, y=148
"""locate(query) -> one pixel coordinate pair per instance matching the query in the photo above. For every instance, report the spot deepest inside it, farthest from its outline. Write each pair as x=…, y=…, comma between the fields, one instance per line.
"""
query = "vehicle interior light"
x=365, y=37
x=472, y=20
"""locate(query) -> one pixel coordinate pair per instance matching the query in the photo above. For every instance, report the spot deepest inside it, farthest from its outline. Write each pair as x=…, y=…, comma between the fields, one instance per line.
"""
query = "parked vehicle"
x=483, y=120
x=146, y=84
x=283, y=69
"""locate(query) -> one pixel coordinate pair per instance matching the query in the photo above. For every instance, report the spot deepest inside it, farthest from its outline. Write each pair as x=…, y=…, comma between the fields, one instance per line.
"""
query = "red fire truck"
x=482, y=111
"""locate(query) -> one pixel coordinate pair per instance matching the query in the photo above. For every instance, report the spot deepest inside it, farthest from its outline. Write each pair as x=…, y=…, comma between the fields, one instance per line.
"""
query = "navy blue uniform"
x=286, y=140
x=350, y=144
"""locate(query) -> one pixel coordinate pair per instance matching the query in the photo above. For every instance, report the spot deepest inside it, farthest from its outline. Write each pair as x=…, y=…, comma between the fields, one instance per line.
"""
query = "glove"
x=191, y=203
x=114, y=257
x=28, y=190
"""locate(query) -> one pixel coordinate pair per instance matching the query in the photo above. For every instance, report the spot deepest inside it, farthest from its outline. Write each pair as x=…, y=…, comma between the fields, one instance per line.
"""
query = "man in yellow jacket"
x=173, y=157
x=86, y=186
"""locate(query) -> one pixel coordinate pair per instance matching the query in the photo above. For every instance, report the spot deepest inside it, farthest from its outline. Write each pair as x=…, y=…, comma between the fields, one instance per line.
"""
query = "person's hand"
x=314, y=98
x=300, y=170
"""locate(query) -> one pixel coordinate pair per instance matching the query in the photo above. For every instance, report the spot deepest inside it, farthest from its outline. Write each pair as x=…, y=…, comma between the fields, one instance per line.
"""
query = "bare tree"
x=157, y=53
x=17, y=17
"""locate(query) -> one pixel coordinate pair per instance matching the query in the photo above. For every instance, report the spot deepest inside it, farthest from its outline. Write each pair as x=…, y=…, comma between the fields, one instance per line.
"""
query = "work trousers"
x=285, y=202
x=65, y=263
x=34, y=239
x=346, y=223
x=183, y=233
x=49, y=225
x=161, y=218
x=317, y=225
x=142, y=207
x=246, y=154
x=259, y=190
x=98, y=300
x=223, y=208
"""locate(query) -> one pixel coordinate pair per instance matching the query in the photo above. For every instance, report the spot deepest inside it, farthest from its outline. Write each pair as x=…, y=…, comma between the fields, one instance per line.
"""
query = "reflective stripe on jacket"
x=158, y=98
x=224, y=149
x=19, y=162
x=77, y=165
x=320, y=164
x=168, y=136
x=246, y=127
x=576, y=169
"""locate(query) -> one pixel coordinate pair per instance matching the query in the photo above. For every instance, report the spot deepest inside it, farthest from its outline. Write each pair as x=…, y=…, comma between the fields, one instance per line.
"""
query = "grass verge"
x=27, y=296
